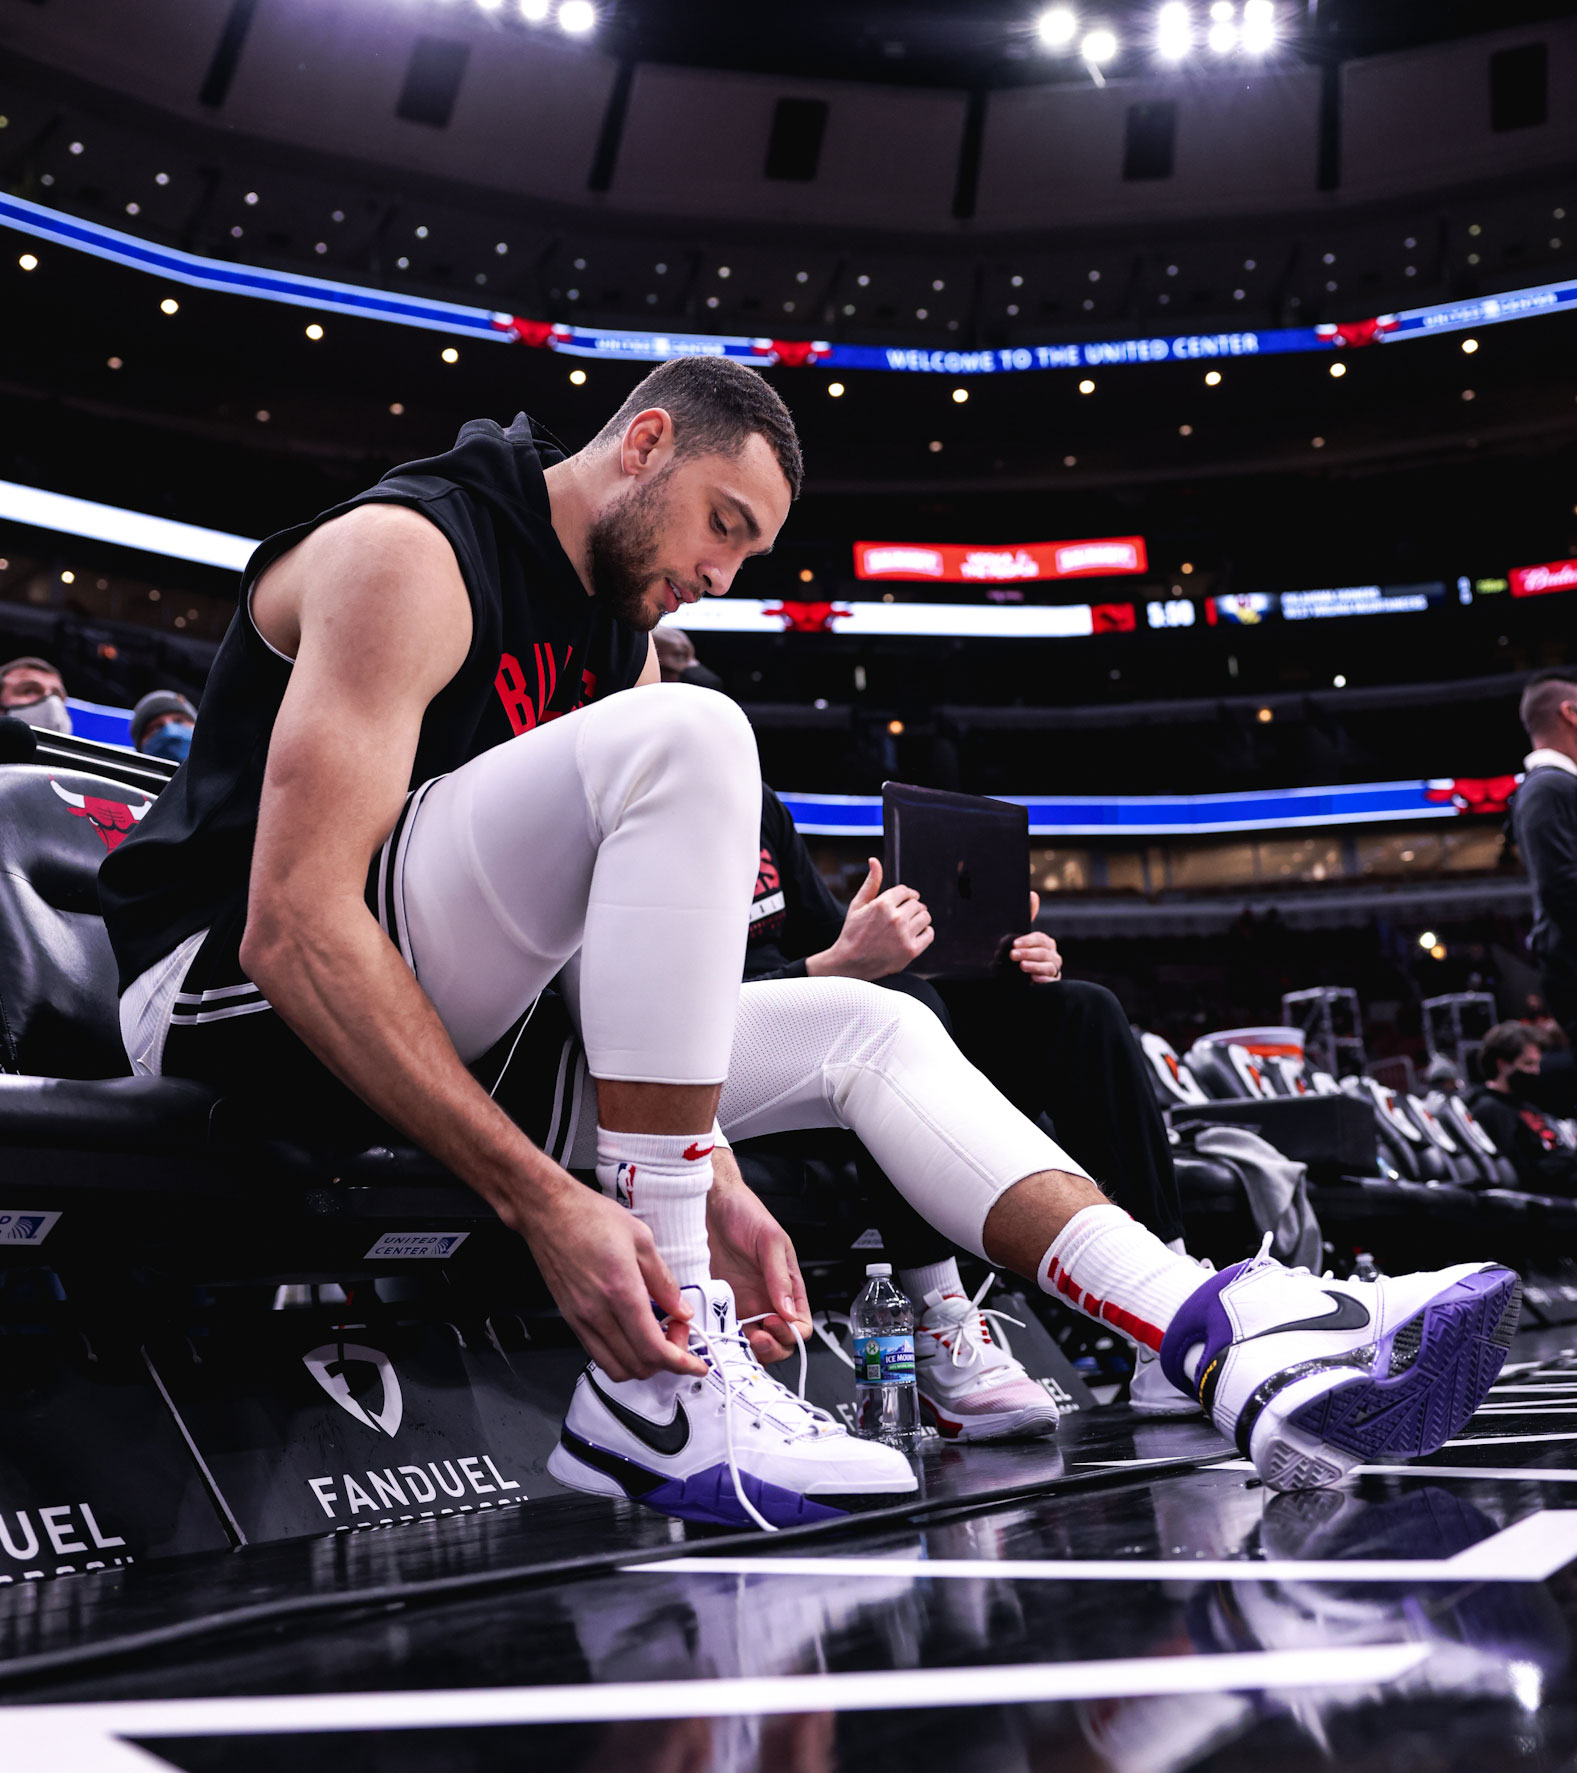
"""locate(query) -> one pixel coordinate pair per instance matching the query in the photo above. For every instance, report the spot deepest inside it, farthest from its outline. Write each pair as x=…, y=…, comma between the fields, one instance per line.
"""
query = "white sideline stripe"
x=42, y=1727
x=1567, y=1409
x=1500, y=1474
x=1556, y=1388
x=1224, y=1463
x=1503, y=1440
x=1530, y=1550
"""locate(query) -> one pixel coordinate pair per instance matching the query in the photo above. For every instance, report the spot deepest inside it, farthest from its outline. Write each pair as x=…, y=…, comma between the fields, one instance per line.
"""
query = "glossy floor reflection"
x=1426, y=1620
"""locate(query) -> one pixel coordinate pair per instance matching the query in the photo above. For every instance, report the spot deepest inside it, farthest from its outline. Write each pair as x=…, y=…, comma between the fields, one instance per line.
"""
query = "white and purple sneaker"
x=1311, y=1377
x=734, y=1449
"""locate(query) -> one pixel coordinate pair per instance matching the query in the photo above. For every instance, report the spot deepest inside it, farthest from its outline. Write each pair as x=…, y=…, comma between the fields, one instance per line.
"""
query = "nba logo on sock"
x=624, y=1185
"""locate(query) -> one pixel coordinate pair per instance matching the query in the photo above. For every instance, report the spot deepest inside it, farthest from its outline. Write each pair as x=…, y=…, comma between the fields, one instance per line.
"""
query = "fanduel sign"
x=956, y=563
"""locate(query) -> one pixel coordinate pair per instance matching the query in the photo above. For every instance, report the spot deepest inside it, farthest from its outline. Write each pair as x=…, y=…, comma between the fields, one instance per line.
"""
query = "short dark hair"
x=1542, y=696
x=717, y=405
x=1506, y=1041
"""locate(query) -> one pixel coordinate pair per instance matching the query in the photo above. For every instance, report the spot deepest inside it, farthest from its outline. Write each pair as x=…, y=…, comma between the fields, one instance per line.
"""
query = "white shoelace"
x=737, y=1351
x=965, y=1341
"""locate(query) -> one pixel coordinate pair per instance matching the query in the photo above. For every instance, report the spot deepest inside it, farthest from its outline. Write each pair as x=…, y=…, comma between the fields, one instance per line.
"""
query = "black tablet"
x=968, y=858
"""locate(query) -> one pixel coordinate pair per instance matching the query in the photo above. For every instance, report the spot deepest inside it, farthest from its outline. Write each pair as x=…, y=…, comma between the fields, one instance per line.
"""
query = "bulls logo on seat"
x=114, y=820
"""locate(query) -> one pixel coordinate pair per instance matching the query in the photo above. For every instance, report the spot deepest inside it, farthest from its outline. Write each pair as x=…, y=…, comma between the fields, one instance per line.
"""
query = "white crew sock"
x=663, y=1179
x=934, y=1277
x=1111, y=1268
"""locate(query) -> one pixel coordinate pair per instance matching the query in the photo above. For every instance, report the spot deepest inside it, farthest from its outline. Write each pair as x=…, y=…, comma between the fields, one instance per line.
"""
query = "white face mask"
x=49, y=711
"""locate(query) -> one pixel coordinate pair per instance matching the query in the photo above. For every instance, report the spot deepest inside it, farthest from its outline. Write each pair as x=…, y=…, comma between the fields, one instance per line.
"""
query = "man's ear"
x=648, y=441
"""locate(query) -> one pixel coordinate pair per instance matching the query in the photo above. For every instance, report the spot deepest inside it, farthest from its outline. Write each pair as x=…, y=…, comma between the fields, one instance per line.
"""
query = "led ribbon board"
x=1248, y=609
x=958, y=564
x=1175, y=815
x=298, y=290
x=746, y=615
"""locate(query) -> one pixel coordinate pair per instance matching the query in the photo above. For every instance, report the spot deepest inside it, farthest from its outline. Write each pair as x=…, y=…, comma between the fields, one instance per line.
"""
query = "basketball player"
x=414, y=798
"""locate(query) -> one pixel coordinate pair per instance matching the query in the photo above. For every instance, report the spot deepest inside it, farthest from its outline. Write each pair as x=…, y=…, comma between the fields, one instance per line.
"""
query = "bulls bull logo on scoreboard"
x=114, y=820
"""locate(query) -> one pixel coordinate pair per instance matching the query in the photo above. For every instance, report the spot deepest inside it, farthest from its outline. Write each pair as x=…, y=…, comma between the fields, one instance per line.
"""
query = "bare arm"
x=380, y=621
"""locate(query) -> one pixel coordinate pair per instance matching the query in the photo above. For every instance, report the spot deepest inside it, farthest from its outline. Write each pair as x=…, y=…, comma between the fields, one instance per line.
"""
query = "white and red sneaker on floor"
x=971, y=1386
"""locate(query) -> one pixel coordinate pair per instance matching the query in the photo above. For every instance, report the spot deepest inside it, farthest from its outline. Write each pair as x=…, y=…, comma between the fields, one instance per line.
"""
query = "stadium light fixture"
x=1223, y=38
x=577, y=17
x=1057, y=27
x=1174, y=31
x=534, y=12
x=1259, y=26
x=1098, y=46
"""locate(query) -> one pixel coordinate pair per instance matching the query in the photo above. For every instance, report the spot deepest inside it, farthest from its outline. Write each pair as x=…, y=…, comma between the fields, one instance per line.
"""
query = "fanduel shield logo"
x=332, y=1366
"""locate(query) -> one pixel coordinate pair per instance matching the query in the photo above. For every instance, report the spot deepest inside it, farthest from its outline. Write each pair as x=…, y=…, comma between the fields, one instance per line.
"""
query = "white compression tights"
x=626, y=833
x=841, y=1053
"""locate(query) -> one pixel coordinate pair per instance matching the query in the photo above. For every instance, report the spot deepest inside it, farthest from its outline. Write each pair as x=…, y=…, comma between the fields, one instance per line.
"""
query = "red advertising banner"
x=1535, y=581
x=959, y=563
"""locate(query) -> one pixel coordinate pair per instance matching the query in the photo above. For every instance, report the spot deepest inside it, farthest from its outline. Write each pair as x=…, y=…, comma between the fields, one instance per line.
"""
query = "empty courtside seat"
x=57, y=974
x=1174, y=1083
x=98, y=1166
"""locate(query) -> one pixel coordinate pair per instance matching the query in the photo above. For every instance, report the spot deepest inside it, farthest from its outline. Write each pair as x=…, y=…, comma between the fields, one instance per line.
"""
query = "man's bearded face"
x=624, y=546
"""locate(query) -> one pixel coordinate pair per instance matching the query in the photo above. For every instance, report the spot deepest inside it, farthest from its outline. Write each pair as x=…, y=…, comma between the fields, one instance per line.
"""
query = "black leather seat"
x=160, y=1169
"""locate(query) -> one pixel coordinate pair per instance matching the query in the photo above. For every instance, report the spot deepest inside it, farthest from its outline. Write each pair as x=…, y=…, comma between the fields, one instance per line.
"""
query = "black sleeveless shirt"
x=540, y=647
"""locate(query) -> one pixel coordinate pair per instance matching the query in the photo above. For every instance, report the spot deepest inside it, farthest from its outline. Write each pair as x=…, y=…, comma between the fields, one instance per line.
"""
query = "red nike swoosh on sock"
x=696, y=1152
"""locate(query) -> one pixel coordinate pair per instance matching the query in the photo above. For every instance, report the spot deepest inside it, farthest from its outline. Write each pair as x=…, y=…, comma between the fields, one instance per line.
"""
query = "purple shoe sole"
x=1428, y=1376
x=707, y=1497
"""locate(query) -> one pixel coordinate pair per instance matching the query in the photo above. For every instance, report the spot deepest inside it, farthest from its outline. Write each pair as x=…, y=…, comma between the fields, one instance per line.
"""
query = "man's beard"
x=621, y=553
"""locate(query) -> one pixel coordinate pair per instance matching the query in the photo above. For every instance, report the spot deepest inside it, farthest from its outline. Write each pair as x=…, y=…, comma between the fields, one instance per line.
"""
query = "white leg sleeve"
x=627, y=832
x=838, y=1052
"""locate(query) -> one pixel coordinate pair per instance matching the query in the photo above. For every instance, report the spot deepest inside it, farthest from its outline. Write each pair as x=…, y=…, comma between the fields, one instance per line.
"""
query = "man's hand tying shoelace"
x=755, y=1255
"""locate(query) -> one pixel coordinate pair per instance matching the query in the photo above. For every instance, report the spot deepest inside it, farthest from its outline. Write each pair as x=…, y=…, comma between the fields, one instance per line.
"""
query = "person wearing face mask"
x=1510, y=1058
x=161, y=725
x=34, y=691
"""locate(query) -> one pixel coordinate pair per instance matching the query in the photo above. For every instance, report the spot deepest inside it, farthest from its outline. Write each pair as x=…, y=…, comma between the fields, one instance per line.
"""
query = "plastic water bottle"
x=886, y=1403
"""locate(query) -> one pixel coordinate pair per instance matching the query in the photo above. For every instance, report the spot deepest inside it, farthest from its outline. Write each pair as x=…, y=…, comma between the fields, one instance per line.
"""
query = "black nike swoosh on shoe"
x=1348, y=1315
x=668, y=1437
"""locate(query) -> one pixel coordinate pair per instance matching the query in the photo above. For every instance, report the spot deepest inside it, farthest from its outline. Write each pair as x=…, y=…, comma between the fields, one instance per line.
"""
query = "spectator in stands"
x=1523, y=1132
x=1544, y=816
x=677, y=661
x=34, y=691
x=161, y=725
